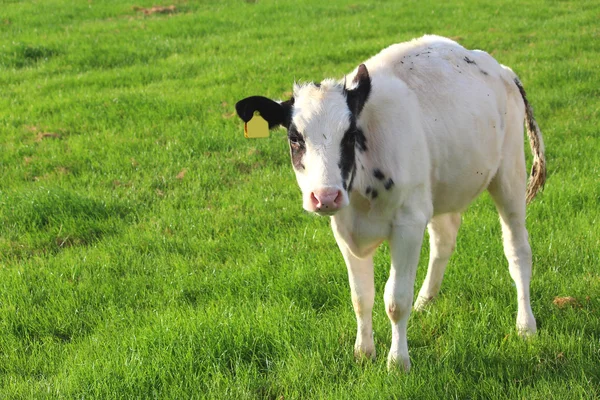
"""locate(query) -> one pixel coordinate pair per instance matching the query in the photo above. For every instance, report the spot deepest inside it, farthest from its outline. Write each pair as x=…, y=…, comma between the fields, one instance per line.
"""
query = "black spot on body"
x=374, y=194
x=369, y=189
x=361, y=140
x=388, y=184
x=483, y=72
x=469, y=61
x=378, y=174
x=348, y=153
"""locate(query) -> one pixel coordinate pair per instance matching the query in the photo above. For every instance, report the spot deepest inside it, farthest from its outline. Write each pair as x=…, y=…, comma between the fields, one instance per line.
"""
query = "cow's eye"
x=296, y=140
x=295, y=137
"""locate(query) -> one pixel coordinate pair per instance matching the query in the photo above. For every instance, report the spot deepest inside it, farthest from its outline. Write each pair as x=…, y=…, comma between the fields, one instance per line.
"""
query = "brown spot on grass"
x=568, y=301
x=46, y=135
x=117, y=183
x=40, y=134
x=181, y=174
x=156, y=9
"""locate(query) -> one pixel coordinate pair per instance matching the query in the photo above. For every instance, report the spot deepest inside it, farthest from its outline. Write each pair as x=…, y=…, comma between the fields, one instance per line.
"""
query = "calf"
x=407, y=141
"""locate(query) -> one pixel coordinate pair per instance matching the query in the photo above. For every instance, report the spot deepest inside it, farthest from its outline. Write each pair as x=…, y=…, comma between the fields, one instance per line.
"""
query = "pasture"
x=148, y=250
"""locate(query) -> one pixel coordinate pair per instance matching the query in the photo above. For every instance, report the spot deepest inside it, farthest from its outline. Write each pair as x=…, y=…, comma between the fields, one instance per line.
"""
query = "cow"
x=406, y=142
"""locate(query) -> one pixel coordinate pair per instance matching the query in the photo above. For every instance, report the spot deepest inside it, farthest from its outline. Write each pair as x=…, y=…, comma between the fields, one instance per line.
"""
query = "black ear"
x=358, y=95
x=273, y=112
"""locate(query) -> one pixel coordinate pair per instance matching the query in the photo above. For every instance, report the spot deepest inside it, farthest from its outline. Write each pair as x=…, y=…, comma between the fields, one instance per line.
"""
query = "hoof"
x=527, y=331
x=422, y=302
x=398, y=364
x=362, y=354
x=526, y=325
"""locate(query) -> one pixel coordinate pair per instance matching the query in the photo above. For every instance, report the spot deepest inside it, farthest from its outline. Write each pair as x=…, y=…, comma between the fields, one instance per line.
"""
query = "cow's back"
x=466, y=100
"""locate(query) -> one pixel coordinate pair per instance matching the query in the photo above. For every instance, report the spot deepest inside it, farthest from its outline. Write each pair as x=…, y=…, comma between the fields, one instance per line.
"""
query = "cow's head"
x=323, y=136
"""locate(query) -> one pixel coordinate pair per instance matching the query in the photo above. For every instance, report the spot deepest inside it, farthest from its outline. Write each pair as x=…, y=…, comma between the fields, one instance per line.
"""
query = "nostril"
x=314, y=199
x=338, y=198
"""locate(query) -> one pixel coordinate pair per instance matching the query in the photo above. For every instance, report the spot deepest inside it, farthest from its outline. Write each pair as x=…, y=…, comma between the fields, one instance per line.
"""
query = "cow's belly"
x=461, y=176
x=447, y=198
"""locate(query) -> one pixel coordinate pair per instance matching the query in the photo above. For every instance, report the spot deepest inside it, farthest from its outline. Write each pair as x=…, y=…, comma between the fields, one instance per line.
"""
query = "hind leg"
x=508, y=191
x=442, y=241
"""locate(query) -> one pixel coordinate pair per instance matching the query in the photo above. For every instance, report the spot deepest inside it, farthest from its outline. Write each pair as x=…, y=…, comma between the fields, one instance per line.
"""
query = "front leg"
x=362, y=288
x=405, y=246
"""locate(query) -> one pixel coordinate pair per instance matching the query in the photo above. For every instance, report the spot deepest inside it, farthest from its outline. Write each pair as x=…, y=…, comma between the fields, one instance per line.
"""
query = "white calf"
x=407, y=141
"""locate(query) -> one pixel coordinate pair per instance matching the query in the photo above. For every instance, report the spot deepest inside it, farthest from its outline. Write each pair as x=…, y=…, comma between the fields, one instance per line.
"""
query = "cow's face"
x=323, y=136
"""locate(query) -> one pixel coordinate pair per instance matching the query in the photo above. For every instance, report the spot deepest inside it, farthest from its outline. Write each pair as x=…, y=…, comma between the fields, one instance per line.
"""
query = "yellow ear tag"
x=257, y=127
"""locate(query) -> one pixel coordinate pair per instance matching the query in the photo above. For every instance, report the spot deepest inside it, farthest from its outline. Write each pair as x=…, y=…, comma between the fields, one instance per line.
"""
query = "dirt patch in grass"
x=40, y=134
x=156, y=9
x=45, y=135
x=568, y=301
x=181, y=174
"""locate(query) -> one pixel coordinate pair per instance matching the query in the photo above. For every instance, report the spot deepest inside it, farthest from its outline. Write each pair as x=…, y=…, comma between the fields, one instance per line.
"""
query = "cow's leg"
x=405, y=246
x=508, y=191
x=362, y=288
x=442, y=241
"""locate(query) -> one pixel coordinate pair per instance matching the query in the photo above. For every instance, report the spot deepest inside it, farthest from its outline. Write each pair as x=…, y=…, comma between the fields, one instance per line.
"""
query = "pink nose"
x=326, y=199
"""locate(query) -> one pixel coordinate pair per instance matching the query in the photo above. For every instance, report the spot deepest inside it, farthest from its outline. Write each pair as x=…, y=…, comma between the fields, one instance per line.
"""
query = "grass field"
x=148, y=250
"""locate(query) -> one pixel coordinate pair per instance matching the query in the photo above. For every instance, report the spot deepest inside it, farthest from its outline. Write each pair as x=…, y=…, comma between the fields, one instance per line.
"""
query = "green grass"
x=148, y=250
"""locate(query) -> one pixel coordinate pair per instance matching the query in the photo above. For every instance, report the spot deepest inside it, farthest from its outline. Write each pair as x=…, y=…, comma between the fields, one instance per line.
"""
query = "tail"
x=538, y=168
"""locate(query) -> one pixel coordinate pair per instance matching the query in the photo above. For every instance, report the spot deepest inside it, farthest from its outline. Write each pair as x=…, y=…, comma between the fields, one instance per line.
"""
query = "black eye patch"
x=294, y=136
x=297, y=147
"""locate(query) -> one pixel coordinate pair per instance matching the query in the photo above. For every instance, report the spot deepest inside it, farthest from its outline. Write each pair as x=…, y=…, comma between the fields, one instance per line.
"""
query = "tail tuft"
x=536, y=142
